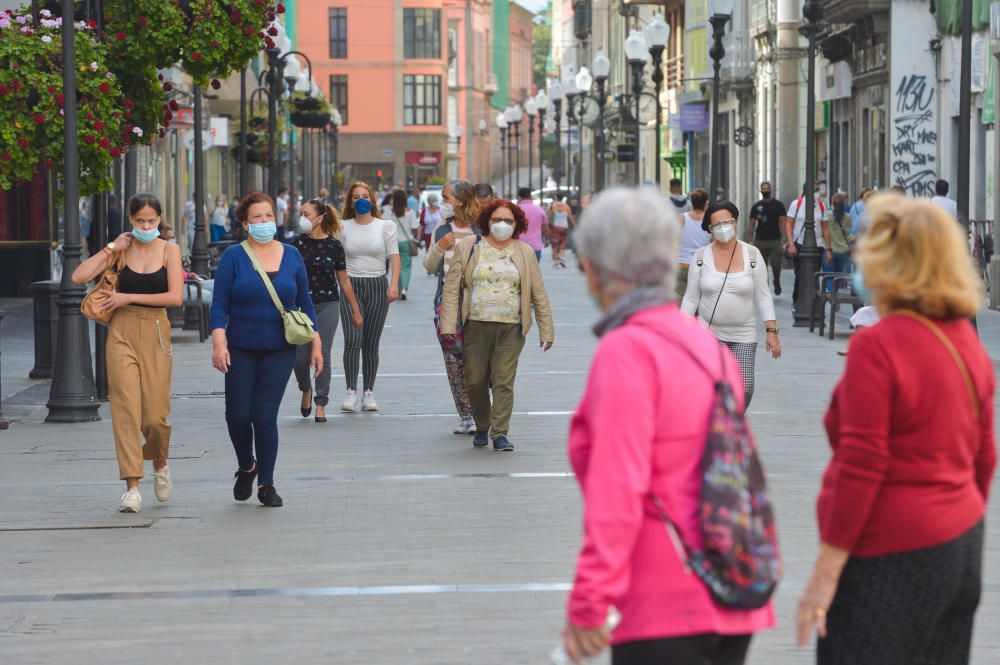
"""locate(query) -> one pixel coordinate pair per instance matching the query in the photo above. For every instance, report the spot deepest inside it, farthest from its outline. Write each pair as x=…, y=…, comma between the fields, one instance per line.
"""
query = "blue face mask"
x=262, y=231
x=362, y=206
x=858, y=282
x=145, y=236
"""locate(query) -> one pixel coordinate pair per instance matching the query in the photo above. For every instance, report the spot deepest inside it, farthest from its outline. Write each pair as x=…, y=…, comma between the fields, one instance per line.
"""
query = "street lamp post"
x=636, y=50
x=531, y=108
x=571, y=94
x=199, y=249
x=810, y=254
x=336, y=120
x=515, y=123
x=584, y=82
x=602, y=69
x=243, y=133
x=556, y=94
x=72, y=397
x=542, y=104
x=275, y=73
x=502, y=126
x=657, y=34
x=720, y=11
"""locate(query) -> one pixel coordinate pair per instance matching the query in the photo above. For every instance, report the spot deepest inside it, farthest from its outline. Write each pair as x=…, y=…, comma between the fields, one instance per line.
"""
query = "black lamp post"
x=72, y=397
x=531, y=108
x=276, y=61
x=720, y=12
x=556, y=94
x=636, y=50
x=542, y=104
x=602, y=69
x=502, y=126
x=335, y=121
x=657, y=34
x=514, y=121
x=244, y=183
x=199, y=249
x=810, y=254
x=570, y=92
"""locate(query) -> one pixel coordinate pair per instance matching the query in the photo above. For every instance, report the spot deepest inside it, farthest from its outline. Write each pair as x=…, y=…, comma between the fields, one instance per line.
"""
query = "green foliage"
x=541, y=43
x=224, y=36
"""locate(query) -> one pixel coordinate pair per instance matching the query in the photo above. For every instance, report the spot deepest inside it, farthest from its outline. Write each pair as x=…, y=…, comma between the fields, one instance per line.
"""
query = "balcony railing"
x=673, y=72
x=739, y=63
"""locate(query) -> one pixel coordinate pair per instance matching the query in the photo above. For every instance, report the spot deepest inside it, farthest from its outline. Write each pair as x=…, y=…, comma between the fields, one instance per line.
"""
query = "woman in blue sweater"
x=248, y=342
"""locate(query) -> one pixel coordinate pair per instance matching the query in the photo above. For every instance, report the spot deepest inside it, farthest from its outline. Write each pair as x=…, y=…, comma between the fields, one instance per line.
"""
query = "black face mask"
x=765, y=194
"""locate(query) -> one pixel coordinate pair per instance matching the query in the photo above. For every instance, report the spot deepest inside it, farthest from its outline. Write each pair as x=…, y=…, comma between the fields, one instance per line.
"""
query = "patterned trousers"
x=456, y=380
x=746, y=356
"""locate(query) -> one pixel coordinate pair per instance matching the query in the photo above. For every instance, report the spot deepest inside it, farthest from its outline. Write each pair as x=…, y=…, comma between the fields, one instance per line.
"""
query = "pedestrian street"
x=398, y=542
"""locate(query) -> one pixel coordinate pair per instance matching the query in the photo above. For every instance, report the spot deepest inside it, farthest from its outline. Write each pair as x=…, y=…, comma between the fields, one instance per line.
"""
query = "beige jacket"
x=459, y=279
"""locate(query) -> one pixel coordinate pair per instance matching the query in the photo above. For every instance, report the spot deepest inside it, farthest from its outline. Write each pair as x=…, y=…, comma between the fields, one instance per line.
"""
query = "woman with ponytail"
x=326, y=266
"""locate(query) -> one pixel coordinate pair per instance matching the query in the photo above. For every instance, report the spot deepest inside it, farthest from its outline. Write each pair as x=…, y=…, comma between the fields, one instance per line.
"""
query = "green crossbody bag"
x=298, y=325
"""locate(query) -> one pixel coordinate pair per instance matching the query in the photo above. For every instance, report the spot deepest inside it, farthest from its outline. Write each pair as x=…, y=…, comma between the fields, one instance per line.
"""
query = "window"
x=421, y=99
x=338, y=95
x=422, y=33
x=338, y=33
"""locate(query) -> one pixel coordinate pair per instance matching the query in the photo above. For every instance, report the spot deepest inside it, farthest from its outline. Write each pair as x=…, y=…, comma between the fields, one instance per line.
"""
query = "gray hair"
x=631, y=237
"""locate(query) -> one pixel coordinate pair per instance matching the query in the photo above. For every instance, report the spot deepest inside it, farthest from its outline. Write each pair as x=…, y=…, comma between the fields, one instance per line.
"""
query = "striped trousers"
x=361, y=346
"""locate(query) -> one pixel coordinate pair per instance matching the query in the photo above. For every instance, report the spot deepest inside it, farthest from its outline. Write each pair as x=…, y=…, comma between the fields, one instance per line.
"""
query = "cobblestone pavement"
x=398, y=543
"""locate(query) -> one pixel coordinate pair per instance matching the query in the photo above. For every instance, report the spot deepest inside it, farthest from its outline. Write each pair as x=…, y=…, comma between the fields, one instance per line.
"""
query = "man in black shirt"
x=764, y=230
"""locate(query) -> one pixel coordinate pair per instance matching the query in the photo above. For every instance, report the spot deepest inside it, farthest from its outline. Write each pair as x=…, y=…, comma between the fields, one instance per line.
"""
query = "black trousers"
x=704, y=649
x=912, y=608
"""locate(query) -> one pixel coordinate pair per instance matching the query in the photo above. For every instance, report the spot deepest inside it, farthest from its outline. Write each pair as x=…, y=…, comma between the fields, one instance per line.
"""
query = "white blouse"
x=369, y=246
x=745, y=291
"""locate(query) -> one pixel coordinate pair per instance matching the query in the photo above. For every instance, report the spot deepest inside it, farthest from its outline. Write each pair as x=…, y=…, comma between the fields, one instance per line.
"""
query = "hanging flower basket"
x=31, y=102
x=308, y=111
x=300, y=102
x=257, y=152
x=309, y=119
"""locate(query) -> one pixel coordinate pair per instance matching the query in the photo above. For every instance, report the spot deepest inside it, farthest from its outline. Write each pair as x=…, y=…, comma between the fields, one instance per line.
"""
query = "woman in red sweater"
x=898, y=575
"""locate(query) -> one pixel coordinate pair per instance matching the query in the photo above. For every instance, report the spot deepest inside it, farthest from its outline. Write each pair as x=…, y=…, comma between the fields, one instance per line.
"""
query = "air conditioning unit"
x=491, y=87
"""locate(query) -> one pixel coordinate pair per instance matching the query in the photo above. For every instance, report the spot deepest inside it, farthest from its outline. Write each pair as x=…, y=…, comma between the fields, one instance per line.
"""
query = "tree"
x=541, y=45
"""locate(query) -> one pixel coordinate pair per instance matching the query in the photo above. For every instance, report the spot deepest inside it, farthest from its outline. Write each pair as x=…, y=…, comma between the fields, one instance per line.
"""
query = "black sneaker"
x=268, y=496
x=777, y=288
x=503, y=445
x=244, y=483
x=481, y=440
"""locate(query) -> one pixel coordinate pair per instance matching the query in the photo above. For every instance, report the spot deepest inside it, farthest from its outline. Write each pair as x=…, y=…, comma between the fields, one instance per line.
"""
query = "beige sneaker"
x=131, y=501
x=162, y=485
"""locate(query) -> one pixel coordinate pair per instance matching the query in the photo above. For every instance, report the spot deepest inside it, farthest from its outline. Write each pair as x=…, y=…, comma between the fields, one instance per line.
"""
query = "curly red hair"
x=520, y=221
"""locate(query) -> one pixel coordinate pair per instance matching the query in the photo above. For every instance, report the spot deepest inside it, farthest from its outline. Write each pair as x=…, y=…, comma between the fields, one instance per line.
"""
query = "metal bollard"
x=46, y=324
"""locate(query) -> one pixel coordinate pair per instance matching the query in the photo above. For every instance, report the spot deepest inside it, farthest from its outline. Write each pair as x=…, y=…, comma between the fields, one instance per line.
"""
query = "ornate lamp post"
x=810, y=254
x=556, y=95
x=542, y=104
x=584, y=81
x=602, y=69
x=531, y=108
x=636, y=50
x=657, y=34
x=570, y=93
x=292, y=72
x=720, y=11
x=502, y=126
x=515, y=123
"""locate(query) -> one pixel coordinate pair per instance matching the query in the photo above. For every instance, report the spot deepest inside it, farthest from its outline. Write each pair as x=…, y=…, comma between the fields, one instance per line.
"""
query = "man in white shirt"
x=281, y=214
x=795, y=231
x=941, y=199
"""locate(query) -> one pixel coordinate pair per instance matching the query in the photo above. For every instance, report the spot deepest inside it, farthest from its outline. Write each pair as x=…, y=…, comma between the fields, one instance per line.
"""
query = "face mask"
x=860, y=288
x=447, y=210
x=766, y=194
x=362, y=206
x=724, y=233
x=502, y=231
x=145, y=236
x=305, y=226
x=263, y=231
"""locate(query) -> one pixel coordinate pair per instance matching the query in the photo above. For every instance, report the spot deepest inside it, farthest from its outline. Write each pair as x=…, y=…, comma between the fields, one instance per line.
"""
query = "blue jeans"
x=217, y=232
x=841, y=263
x=538, y=255
x=255, y=384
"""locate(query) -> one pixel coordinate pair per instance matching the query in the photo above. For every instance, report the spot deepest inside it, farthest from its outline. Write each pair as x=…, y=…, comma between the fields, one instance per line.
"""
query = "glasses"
x=723, y=222
x=497, y=220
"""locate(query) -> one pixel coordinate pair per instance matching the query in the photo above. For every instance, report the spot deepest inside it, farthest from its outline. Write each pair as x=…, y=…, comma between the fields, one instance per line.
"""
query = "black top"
x=768, y=213
x=130, y=281
x=323, y=258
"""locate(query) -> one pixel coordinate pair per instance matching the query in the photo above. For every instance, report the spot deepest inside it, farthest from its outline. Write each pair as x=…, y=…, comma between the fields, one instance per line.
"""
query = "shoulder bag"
x=298, y=325
x=956, y=356
x=107, y=282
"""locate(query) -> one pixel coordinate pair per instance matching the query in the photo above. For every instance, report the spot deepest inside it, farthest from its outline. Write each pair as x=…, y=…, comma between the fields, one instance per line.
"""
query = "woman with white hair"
x=637, y=439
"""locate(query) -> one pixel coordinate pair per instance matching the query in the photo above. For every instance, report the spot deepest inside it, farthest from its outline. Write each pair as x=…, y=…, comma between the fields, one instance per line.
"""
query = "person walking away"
x=284, y=219
x=537, y=221
x=406, y=232
x=326, y=265
x=681, y=203
x=219, y=221
x=430, y=219
x=727, y=282
x=494, y=285
x=249, y=346
x=765, y=231
x=139, y=350
x=561, y=219
x=460, y=212
x=628, y=446
x=837, y=235
x=795, y=230
x=370, y=243
x=485, y=193
x=898, y=575
x=413, y=200
x=693, y=237
x=941, y=200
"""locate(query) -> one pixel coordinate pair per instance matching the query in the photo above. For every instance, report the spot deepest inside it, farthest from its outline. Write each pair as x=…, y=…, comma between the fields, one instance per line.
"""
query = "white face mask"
x=305, y=226
x=724, y=232
x=502, y=231
x=447, y=210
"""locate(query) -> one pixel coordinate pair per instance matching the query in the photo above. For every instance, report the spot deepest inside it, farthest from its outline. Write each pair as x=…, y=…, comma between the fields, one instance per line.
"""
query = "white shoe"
x=466, y=426
x=162, y=485
x=131, y=501
x=368, y=401
x=350, y=402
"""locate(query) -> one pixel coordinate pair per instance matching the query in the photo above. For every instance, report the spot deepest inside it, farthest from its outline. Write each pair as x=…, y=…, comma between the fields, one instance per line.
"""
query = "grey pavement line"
x=84, y=527
x=363, y=478
x=301, y=592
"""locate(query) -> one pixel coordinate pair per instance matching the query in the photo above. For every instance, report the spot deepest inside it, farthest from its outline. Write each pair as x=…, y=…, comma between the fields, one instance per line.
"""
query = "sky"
x=534, y=5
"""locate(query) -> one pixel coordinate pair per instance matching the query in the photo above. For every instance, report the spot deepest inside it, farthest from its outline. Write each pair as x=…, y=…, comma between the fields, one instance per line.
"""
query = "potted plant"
x=307, y=111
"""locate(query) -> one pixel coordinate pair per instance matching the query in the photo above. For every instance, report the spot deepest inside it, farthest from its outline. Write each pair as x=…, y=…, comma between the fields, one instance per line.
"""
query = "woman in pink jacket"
x=639, y=432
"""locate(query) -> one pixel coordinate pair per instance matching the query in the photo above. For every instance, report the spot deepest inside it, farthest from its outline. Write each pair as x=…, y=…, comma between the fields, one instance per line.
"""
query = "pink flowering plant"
x=32, y=101
x=225, y=36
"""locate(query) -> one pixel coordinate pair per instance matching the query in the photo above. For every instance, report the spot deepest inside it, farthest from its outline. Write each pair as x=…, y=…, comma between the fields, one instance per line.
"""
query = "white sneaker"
x=131, y=501
x=162, y=485
x=466, y=426
x=368, y=401
x=350, y=402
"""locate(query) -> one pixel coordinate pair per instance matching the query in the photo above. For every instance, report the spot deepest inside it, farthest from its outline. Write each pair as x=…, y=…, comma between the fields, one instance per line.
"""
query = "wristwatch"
x=112, y=247
x=772, y=330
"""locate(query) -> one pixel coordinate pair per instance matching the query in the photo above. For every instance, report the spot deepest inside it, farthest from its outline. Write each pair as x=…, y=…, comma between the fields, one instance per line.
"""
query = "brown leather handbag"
x=108, y=281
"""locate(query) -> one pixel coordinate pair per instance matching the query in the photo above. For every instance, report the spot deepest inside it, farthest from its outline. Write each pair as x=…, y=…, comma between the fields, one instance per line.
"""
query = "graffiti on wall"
x=915, y=139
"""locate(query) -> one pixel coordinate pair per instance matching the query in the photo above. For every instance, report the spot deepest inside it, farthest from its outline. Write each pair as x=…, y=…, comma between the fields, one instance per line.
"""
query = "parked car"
x=429, y=189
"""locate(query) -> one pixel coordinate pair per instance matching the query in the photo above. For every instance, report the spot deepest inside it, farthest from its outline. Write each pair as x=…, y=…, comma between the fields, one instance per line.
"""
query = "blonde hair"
x=915, y=257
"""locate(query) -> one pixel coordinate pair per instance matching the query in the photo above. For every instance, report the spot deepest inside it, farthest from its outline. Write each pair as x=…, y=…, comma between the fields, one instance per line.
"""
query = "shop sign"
x=423, y=158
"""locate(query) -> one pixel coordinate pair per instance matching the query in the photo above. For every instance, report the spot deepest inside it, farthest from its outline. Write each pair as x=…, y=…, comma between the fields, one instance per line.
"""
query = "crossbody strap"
x=264, y=276
x=956, y=356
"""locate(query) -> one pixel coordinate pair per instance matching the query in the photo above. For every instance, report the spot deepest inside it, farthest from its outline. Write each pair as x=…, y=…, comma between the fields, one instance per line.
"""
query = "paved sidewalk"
x=398, y=542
